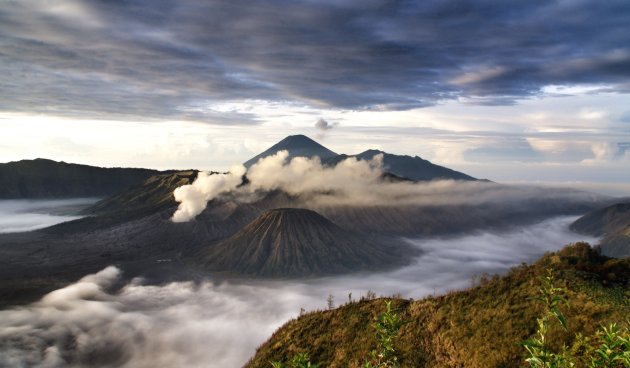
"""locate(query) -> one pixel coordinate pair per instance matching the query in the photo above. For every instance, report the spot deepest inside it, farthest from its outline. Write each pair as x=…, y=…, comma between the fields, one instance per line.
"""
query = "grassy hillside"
x=479, y=327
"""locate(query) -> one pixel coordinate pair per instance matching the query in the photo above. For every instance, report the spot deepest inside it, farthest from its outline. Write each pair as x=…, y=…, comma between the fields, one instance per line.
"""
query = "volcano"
x=293, y=242
x=297, y=146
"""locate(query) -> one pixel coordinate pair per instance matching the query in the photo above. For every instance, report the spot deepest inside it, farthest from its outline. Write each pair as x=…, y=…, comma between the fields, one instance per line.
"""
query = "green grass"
x=478, y=327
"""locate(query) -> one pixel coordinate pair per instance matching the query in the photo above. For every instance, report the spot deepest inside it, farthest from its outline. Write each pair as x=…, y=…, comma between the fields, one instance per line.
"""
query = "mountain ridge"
x=44, y=178
x=409, y=167
x=412, y=168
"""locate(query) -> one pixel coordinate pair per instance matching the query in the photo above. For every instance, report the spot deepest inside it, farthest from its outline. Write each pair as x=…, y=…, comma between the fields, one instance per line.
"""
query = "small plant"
x=300, y=360
x=609, y=348
x=614, y=350
x=539, y=354
x=387, y=326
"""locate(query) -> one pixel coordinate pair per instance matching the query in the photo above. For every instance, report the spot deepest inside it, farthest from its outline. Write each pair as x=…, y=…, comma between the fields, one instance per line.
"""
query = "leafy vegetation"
x=539, y=354
x=387, y=326
x=610, y=347
x=478, y=327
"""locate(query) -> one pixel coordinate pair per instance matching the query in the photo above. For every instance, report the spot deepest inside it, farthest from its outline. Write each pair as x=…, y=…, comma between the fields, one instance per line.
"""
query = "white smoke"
x=351, y=182
x=308, y=175
x=208, y=324
x=194, y=197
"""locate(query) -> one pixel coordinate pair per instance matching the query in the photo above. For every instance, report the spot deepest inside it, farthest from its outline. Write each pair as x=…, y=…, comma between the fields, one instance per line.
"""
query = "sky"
x=514, y=91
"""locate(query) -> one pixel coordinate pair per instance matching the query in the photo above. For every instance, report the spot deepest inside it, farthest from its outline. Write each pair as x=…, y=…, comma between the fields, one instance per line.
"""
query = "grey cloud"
x=323, y=125
x=155, y=59
x=505, y=149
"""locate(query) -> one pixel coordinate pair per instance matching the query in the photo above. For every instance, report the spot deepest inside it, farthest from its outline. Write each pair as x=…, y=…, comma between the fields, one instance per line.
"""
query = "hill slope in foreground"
x=479, y=327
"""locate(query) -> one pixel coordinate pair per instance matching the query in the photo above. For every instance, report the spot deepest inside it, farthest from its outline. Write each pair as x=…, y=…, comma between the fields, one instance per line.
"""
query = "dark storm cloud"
x=174, y=59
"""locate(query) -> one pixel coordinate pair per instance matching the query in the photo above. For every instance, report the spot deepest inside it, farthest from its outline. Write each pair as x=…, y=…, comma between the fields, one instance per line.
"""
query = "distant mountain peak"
x=298, y=138
x=372, y=151
x=298, y=146
x=408, y=167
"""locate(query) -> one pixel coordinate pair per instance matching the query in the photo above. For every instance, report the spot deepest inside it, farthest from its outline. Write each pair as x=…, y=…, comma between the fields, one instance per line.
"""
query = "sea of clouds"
x=220, y=323
x=18, y=215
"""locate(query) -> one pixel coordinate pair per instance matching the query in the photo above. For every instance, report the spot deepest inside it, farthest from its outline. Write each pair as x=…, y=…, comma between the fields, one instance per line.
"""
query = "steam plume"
x=351, y=182
x=194, y=197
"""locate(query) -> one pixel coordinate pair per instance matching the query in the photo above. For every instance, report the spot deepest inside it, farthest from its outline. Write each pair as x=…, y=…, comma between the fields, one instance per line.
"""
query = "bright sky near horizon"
x=519, y=91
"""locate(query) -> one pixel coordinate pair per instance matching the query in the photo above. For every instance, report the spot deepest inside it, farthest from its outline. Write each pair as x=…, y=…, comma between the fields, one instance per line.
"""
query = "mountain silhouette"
x=413, y=168
x=395, y=167
x=43, y=178
x=298, y=146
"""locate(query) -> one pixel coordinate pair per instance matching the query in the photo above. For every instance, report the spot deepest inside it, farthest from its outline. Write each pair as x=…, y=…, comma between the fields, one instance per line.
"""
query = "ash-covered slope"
x=153, y=195
x=297, y=242
x=613, y=224
x=297, y=146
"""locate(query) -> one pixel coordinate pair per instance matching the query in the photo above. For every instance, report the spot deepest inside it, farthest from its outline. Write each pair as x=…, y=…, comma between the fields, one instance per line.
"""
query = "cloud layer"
x=159, y=59
x=27, y=215
x=351, y=182
x=219, y=324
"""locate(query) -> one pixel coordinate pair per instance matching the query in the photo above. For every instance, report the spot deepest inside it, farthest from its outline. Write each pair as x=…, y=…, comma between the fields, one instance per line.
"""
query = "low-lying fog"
x=221, y=324
x=17, y=215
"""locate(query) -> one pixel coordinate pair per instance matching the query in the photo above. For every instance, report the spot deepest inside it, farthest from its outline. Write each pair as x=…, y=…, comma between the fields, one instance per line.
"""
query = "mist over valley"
x=324, y=184
x=174, y=270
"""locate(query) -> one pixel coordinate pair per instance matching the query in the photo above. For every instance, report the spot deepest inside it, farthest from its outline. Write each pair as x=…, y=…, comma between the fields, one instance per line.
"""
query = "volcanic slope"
x=292, y=242
x=298, y=146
